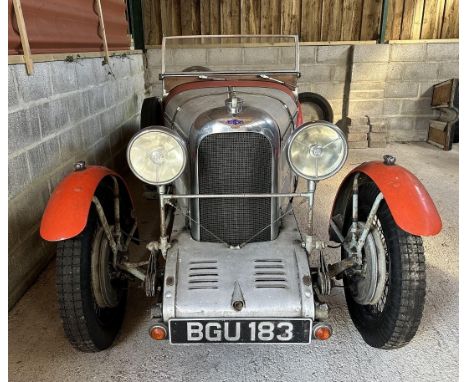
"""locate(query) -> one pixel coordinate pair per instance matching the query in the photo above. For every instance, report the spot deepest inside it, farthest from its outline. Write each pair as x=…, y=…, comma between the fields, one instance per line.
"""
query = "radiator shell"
x=197, y=113
x=212, y=126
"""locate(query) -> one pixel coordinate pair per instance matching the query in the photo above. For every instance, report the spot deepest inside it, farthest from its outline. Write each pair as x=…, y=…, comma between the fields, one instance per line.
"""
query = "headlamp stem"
x=311, y=242
x=311, y=185
x=163, y=243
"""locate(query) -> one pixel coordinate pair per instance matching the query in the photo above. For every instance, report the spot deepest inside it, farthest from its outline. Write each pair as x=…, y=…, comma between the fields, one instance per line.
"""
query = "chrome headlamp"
x=317, y=150
x=156, y=155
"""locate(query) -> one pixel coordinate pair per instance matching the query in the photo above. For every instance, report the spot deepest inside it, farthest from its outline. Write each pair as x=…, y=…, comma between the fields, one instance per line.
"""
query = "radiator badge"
x=235, y=122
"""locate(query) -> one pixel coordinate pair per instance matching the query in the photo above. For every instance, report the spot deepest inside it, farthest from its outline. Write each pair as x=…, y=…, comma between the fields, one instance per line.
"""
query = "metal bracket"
x=370, y=218
x=338, y=268
x=324, y=281
x=106, y=227
x=337, y=231
x=354, y=246
x=354, y=224
x=130, y=268
x=117, y=230
x=150, y=278
x=114, y=234
x=129, y=238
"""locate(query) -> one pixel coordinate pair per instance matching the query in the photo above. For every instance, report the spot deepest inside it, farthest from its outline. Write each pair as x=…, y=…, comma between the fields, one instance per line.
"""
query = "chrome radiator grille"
x=230, y=163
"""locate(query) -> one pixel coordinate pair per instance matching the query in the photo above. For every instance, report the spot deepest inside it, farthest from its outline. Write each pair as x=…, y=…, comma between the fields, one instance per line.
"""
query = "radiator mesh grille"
x=230, y=163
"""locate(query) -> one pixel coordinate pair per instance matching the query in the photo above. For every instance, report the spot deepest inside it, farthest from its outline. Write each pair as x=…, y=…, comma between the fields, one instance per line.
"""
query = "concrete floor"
x=41, y=352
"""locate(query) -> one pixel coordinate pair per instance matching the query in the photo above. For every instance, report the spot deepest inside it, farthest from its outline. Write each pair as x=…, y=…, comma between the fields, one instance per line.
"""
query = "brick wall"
x=384, y=82
x=64, y=112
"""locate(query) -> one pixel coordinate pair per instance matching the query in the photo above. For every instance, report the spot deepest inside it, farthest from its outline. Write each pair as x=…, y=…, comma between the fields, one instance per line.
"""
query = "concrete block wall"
x=408, y=109
x=384, y=82
x=394, y=82
x=323, y=71
x=64, y=112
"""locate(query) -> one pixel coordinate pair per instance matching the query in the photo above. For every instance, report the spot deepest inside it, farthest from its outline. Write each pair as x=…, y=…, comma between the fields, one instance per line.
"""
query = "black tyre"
x=393, y=321
x=315, y=107
x=151, y=113
x=197, y=68
x=88, y=327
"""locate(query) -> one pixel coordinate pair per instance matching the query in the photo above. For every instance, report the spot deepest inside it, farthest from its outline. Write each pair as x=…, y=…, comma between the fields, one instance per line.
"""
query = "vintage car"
x=224, y=150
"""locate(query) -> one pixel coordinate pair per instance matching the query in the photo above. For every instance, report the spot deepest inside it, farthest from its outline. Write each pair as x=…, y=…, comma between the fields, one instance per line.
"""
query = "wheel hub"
x=368, y=287
x=105, y=294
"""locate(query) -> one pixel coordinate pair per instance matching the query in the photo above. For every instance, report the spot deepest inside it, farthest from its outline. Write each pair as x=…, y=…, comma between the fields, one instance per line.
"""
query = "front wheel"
x=91, y=295
x=386, y=299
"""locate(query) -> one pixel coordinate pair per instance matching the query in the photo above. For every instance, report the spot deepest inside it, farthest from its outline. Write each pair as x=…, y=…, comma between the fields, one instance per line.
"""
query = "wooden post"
x=23, y=36
x=136, y=21
x=103, y=30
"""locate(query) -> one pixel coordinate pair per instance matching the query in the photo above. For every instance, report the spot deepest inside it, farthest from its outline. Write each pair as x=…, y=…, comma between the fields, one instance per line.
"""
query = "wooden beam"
x=450, y=25
x=102, y=28
x=250, y=17
x=279, y=44
x=417, y=20
x=426, y=41
x=230, y=16
x=351, y=21
x=331, y=20
x=432, y=19
x=270, y=11
x=291, y=17
x=190, y=17
x=214, y=17
x=152, y=22
x=311, y=20
x=407, y=20
x=394, y=19
x=23, y=36
x=205, y=16
x=371, y=13
x=359, y=42
x=170, y=18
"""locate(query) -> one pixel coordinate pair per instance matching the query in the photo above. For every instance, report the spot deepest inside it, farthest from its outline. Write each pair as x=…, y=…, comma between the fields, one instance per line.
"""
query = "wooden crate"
x=441, y=134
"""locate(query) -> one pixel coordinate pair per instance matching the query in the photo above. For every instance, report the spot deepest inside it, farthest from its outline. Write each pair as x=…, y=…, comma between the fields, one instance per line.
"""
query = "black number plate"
x=240, y=331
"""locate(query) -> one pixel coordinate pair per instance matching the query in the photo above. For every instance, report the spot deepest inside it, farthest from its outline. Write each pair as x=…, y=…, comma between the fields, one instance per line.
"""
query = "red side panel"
x=409, y=202
x=66, y=213
x=300, y=118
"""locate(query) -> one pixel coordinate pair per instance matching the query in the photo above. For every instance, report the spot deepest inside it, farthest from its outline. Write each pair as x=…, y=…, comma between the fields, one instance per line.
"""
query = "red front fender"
x=411, y=206
x=67, y=211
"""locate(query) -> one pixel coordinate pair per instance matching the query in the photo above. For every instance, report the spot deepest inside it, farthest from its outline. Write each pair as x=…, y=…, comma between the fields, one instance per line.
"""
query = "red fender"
x=67, y=211
x=411, y=206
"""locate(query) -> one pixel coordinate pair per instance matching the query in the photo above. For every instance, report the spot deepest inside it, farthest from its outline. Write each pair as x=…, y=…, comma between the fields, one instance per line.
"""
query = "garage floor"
x=38, y=350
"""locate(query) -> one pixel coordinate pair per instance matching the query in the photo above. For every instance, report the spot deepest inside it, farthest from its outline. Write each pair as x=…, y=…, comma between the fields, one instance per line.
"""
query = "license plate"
x=278, y=331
